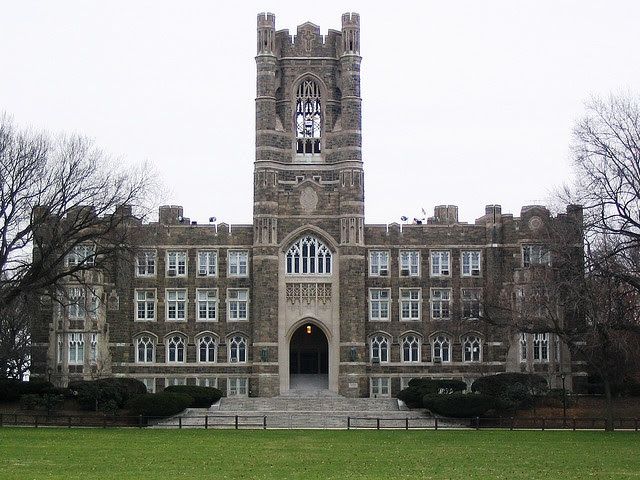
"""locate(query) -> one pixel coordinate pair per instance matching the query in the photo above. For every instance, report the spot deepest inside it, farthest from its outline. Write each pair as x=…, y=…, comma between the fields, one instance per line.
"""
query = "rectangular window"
x=150, y=383
x=81, y=255
x=440, y=263
x=523, y=347
x=378, y=263
x=94, y=349
x=76, y=301
x=207, y=263
x=379, y=303
x=207, y=299
x=440, y=303
x=410, y=303
x=238, y=263
x=76, y=349
x=535, y=255
x=211, y=382
x=237, y=304
x=541, y=347
x=146, y=264
x=380, y=387
x=409, y=263
x=237, y=387
x=177, y=263
x=176, y=304
x=145, y=305
x=176, y=381
x=470, y=260
x=471, y=303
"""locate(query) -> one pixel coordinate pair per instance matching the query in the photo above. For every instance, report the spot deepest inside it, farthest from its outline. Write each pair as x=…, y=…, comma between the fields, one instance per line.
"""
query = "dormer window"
x=308, y=118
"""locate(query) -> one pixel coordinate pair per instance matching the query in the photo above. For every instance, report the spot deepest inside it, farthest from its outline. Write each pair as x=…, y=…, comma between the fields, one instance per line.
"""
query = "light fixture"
x=308, y=329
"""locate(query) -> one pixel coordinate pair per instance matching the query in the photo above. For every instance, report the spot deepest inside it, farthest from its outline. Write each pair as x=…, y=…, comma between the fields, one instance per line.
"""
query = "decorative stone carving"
x=308, y=200
x=535, y=223
x=308, y=293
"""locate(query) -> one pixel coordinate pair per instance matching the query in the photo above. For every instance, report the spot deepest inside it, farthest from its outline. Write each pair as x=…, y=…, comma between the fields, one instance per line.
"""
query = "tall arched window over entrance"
x=308, y=256
x=308, y=118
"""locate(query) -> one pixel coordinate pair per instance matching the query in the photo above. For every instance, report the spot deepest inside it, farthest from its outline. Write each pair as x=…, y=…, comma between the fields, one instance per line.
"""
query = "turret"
x=351, y=33
x=266, y=33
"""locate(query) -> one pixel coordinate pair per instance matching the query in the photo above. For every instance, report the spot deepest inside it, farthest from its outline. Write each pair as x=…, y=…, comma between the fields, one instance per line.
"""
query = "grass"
x=132, y=453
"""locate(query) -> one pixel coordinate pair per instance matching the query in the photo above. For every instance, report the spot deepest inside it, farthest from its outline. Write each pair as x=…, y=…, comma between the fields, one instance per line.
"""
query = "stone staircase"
x=301, y=410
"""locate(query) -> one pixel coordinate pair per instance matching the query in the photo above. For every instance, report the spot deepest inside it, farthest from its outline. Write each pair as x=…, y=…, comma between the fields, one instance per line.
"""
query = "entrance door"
x=309, y=358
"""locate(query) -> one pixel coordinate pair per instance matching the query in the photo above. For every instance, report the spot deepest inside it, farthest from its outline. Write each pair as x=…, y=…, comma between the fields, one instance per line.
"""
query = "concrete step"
x=287, y=403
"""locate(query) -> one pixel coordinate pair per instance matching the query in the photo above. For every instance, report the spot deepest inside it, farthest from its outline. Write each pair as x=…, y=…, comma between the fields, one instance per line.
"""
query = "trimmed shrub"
x=98, y=394
x=203, y=397
x=9, y=390
x=29, y=402
x=162, y=404
x=515, y=390
x=34, y=387
x=419, y=387
x=47, y=401
x=460, y=405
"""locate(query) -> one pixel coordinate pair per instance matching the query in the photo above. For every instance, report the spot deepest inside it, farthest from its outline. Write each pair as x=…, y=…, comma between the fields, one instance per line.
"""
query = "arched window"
x=380, y=349
x=309, y=256
x=207, y=349
x=308, y=118
x=441, y=349
x=237, y=349
x=175, y=349
x=540, y=347
x=411, y=349
x=523, y=347
x=471, y=349
x=146, y=349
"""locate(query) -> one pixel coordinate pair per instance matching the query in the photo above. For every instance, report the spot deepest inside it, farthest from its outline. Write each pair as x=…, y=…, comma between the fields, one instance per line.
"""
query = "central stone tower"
x=308, y=181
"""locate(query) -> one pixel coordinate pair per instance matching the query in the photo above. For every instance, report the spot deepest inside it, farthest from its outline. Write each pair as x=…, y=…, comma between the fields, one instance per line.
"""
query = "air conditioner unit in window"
x=444, y=272
x=171, y=273
x=475, y=273
x=384, y=273
x=437, y=359
x=404, y=272
x=375, y=360
x=233, y=360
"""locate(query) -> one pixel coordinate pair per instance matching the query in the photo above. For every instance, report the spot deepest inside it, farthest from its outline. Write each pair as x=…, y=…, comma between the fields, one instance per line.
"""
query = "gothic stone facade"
x=308, y=288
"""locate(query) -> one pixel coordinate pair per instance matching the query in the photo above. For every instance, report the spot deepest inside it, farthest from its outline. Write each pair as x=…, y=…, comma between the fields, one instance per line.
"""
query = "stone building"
x=308, y=292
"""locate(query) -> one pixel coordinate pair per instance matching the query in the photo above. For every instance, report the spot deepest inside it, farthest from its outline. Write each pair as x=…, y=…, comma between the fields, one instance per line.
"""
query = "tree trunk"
x=608, y=405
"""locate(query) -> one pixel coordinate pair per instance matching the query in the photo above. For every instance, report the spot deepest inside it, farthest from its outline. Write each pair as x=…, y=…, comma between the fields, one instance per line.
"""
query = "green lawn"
x=169, y=454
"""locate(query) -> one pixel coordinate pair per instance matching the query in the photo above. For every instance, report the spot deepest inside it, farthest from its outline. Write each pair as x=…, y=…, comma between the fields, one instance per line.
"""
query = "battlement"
x=266, y=20
x=351, y=19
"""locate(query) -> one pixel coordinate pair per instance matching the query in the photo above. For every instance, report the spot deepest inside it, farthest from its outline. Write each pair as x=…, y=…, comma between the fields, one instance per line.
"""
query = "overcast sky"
x=464, y=102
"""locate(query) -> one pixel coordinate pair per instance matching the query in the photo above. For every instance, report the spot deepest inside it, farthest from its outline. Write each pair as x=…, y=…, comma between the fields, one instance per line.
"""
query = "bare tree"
x=65, y=207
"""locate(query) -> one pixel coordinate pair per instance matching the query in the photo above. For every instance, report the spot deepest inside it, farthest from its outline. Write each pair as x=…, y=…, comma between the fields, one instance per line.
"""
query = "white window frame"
x=173, y=381
x=471, y=340
x=93, y=345
x=205, y=299
x=75, y=342
x=541, y=348
x=237, y=387
x=404, y=382
x=213, y=340
x=378, y=298
x=238, y=263
x=440, y=263
x=176, y=339
x=238, y=340
x=300, y=264
x=465, y=300
x=148, y=301
x=207, y=263
x=148, y=345
x=211, y=382
x=148, y=267
x=150, y=383
x=440, y=297
x=380, y=387
x=409, y=262
x=80, y=254
x=233, y=299
x=522, y=343
x=535, y=254
x=438, y=344
x=181, y=298
x=382, y=344
x=411, y=339
x=177, y=264
x=76, y=303
x=471, y=263
x=379, y=263
x=412, y=299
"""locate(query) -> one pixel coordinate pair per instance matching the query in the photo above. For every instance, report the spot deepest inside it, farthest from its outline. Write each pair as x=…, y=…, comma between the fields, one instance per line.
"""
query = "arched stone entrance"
x=308, y=358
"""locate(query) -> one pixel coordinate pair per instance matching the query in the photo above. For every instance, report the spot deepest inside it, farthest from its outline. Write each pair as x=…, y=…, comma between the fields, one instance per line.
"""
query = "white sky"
x=464, y=102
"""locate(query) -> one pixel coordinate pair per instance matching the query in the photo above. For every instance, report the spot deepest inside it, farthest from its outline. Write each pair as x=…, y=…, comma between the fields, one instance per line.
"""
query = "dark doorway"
x=309, y=351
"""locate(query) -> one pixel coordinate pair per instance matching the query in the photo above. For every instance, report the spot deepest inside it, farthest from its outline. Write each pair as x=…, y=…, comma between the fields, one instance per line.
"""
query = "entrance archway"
x=308, y=358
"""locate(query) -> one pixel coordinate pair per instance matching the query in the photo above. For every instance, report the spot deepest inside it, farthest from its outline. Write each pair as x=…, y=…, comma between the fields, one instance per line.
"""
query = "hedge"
x=419, y=387
x=203, y=397
x=11, y=389
x=106, y=393
x=515, y=390
x=460, y=405
x=162, y=404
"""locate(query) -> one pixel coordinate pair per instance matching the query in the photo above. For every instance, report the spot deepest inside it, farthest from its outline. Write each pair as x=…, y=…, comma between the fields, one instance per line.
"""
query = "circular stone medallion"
x=535, y=223
x=308, y=199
